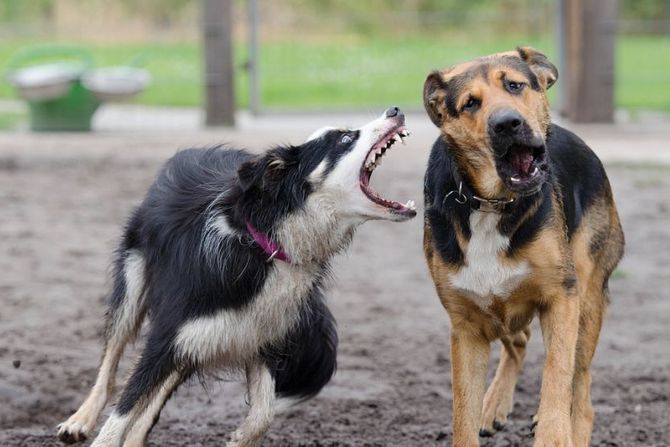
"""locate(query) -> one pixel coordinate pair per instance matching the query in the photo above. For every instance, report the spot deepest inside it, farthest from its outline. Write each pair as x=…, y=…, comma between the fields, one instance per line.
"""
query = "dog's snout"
x=506, y=122
x=392, y=111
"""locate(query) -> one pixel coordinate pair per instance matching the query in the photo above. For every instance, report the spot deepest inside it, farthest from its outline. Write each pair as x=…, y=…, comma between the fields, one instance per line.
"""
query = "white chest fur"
x=236, y=335
x=483, y=275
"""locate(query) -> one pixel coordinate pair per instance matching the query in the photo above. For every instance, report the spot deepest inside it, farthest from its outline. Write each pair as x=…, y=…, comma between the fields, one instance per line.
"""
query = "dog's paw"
x=495, y=411
x=552, y=436
x=73, y=430
x=238, y=439
x=553, y=441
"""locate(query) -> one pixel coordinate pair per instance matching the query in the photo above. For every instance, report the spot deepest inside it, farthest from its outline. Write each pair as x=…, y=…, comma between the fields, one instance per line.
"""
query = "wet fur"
x=568, y=233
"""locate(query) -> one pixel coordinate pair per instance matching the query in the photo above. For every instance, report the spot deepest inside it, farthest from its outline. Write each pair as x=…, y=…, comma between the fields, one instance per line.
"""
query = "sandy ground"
x=64, y=197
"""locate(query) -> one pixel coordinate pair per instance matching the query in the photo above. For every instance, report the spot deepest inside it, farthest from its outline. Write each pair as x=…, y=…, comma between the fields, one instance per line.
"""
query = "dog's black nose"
x=392, y=111
x=506, y=121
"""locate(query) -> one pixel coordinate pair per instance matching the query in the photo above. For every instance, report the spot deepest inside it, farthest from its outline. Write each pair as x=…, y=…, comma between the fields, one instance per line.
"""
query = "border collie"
x=227, y=255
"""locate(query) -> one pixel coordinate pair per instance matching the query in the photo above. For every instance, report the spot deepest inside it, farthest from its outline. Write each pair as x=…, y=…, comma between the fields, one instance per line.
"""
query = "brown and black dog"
x=519, y=221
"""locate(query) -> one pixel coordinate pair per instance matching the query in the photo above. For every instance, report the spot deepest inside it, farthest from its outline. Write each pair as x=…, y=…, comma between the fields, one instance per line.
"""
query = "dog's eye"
x=346, y=139
x=472, y=104
x=515, y=87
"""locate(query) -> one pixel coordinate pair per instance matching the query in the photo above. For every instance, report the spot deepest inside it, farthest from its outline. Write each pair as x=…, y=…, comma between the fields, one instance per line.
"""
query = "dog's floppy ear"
x=261, y=172
x=434, y=94
x=249, y=174
x=546, y=72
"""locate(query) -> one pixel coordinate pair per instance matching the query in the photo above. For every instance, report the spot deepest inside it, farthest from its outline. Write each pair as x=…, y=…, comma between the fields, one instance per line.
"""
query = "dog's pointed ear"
x=261, y=172
x=434, y=94
x=546, y=72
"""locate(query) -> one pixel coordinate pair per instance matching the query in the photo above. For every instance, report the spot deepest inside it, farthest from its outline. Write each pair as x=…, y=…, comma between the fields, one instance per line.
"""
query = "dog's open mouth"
x=523, y=168
x=373, y=160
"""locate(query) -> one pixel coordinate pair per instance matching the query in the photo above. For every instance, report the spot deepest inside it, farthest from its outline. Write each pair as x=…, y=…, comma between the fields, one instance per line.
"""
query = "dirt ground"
x=64, y=197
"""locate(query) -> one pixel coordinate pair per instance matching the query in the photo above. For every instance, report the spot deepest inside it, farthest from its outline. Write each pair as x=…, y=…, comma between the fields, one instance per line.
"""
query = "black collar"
x=463, y=194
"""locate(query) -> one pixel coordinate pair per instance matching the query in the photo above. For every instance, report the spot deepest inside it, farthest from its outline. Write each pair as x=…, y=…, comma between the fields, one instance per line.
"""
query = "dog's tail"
x=305, y=361
x=126, y=306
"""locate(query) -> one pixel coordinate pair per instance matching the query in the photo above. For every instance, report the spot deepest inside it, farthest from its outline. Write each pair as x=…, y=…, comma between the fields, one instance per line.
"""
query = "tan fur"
x=499, y=397
x=471, y=131
x=565, y=288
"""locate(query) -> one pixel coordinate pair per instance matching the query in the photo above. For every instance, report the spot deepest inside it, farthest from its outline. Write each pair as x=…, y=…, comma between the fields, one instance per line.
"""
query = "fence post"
x=587, y=44
x=218, y=52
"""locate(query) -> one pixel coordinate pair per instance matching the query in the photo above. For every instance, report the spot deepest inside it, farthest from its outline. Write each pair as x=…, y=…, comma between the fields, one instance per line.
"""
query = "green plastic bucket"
x=63, y=106
x=72, y=112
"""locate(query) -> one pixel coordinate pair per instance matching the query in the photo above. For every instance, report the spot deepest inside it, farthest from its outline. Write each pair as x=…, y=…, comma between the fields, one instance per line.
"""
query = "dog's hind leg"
x=124, y=317
x=152, y=381
x=499, y=398
x=138, y=432
x=261, y=391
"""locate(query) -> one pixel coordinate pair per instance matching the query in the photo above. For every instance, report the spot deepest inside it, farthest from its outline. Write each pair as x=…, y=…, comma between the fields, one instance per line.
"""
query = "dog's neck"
x=465, y=195
x=271, y=248
x=315, y=234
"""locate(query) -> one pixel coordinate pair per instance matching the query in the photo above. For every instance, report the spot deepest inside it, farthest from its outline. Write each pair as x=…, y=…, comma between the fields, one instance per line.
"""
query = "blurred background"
x=335, y=55
x=95, y=95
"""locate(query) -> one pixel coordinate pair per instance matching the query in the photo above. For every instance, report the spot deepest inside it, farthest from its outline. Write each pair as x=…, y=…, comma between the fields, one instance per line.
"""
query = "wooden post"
x=587, y=71
x=218, y=52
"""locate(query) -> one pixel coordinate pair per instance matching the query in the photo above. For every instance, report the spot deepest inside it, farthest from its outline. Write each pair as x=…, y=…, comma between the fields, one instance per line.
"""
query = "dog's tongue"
x=521, y=159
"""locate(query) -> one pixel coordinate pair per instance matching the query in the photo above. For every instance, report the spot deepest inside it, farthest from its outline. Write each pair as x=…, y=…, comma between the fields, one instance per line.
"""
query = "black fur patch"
x=578, y=173
x=522, y=232
x=442, y=211
x=304, y=362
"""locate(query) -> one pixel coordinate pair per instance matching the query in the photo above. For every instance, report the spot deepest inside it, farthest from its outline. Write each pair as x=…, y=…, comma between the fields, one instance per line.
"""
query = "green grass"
x=643, y=73
x=365, y=72
x=10, y=120
x=376, y=72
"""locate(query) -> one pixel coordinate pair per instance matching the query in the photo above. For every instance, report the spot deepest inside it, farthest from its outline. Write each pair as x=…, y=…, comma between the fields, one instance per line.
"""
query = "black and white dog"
x=227, y=256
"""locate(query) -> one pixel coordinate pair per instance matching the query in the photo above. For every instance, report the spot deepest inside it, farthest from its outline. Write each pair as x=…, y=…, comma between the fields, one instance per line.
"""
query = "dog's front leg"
x=469, y=362
x=560, y=323
x=261, y=389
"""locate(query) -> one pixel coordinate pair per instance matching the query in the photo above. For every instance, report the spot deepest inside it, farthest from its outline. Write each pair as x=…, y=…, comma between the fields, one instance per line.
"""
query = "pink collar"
x=268, y=245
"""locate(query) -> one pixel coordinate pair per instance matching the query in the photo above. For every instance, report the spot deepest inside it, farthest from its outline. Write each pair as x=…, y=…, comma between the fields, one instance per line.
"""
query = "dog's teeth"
x=515, y=178
x=534, y=171
x=397, y=137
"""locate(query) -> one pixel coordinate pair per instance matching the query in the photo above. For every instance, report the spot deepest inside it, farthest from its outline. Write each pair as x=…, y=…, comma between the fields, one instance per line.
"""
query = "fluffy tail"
x=305, y=361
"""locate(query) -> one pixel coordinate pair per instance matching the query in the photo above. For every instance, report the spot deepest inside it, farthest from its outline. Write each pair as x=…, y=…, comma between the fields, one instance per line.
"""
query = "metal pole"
x=254, y=74
x=218, y=51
